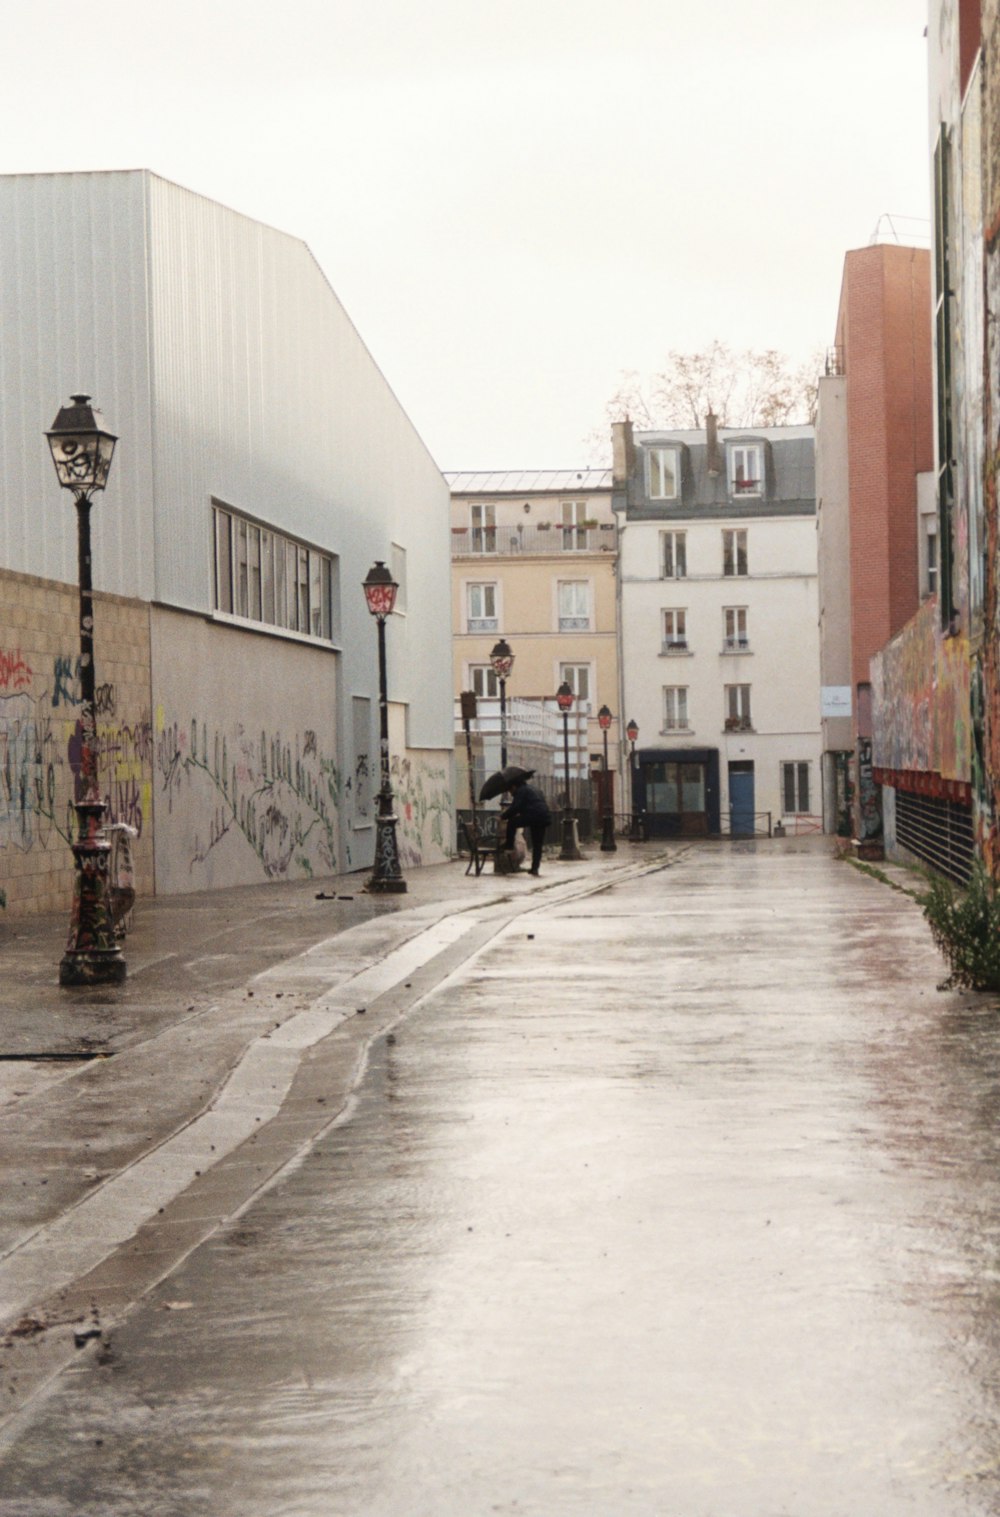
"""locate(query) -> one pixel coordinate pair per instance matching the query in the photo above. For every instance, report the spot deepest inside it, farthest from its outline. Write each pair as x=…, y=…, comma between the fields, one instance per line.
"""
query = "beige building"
x=534, y=558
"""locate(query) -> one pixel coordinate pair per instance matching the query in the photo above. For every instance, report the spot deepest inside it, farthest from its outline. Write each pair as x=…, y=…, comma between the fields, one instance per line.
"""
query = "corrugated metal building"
x=263, y=465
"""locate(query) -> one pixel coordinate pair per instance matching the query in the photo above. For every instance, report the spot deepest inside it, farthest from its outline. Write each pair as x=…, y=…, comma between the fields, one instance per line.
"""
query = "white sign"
x=835, y=700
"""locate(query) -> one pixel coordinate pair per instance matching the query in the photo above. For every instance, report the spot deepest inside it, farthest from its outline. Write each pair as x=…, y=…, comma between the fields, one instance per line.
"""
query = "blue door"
x=741, y=801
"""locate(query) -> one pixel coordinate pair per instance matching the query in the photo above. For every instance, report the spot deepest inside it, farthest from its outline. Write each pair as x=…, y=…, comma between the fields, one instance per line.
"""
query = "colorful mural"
x=921, y=700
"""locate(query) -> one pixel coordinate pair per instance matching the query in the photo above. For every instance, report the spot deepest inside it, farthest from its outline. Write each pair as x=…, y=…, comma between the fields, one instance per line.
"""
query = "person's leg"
x=537, y=840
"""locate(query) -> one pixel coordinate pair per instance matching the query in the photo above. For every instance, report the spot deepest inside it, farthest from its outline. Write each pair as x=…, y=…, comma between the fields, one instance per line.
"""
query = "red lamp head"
x=604, y=718
x=380, y=590
x=564, y=697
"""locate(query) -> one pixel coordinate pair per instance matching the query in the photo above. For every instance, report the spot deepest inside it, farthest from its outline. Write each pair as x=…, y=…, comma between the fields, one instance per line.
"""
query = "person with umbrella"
x=527, y=808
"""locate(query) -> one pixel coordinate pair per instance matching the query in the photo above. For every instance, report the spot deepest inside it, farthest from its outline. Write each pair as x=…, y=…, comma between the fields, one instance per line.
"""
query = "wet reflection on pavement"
x=679, y=1200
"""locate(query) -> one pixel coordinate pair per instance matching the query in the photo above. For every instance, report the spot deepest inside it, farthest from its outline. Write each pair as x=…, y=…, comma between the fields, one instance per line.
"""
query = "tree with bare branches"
x=749, y=388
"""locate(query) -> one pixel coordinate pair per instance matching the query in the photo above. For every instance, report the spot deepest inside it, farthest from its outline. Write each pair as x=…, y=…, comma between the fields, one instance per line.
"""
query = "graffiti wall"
x=422, y=789
x=40, y=737
x=921, y=712
x=246, y=786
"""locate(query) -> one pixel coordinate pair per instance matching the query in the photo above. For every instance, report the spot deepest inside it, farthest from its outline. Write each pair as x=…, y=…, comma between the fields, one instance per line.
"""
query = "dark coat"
x=528, y=807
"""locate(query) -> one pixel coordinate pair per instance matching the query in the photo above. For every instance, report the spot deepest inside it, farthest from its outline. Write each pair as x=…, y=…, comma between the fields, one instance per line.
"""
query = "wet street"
x=676, y=1199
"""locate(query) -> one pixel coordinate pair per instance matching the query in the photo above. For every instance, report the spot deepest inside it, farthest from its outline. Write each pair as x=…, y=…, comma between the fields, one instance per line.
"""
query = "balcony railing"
x=510, y=541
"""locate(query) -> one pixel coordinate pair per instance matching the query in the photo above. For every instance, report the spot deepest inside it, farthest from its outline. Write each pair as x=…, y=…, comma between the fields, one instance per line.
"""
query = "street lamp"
x=82, y=451
x=564, y=700
x=632, y=732
x=502, y=660
x=608, y=844
x=387, y=876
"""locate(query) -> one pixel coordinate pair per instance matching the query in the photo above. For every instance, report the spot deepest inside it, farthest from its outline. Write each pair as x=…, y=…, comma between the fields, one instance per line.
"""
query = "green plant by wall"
x=965, y=925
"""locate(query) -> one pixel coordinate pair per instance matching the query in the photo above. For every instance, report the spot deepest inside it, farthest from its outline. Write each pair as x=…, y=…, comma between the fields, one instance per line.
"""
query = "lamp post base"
x=569, y=850
x=608, y=844
x=93, y=956
x=387, y=875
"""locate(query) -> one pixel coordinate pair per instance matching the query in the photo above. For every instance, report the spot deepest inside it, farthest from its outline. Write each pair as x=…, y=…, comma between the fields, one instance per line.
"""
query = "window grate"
x=938, y=831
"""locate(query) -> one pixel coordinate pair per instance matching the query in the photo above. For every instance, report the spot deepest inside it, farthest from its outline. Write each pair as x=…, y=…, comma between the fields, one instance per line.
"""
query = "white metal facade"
x=217, y=350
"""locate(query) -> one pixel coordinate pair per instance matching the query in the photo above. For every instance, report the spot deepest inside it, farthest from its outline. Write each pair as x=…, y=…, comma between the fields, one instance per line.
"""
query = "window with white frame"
x=932, y=560
x=483, y=520
x=734, y=629
x=483, y=680
x=573, y=514
x=734, y=551
x=675, y=708
x=746, y=468
x=574, y=605
x=737, y=708
x=577, y=677
x=675, y=630
x=663, y=473
x=673, y=555
x=481, y=608
x=795, y=789
x=263, y=576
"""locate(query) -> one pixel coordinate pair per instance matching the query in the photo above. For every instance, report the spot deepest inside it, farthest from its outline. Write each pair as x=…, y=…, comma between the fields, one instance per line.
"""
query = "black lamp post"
x=608, y=844
x=632, y=733
x=387, y=876
x=82, y=451
x=564, y=700
x=502, y=660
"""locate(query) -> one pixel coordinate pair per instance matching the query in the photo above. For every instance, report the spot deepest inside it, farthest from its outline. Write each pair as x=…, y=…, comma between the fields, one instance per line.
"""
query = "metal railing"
x=510, y=541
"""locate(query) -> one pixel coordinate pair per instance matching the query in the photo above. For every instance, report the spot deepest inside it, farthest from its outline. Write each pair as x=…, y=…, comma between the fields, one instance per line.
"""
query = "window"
x=675, y=708
x=932, y=562
x=746, y=468
x=674, y=631
x=734, y=625
x=734, y=551
x=663, y=474
x=574, y=533
x=484, y=528
x=574, y=605
x=673, y=555
x=481, y=601
x=795, y=789
x=483, y=680
x=273, y=580
x=577, y=677
x=737, y=708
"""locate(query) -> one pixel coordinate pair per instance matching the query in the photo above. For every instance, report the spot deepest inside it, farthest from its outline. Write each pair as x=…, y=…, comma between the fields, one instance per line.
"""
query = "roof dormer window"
x=746, y=469
x=663, y=473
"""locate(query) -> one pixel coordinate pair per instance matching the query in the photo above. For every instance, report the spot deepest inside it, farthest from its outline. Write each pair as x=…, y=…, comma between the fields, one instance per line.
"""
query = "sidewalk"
x=184, y=952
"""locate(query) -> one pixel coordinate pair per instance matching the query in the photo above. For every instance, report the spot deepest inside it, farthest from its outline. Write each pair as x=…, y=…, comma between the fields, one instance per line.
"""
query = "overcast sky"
x=515, y=201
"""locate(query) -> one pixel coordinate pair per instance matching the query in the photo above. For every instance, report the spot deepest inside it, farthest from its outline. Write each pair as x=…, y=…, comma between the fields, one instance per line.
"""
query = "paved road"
x=679, y=1198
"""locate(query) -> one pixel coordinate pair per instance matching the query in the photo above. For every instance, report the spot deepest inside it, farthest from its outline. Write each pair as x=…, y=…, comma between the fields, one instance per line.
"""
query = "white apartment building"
x=718, y=623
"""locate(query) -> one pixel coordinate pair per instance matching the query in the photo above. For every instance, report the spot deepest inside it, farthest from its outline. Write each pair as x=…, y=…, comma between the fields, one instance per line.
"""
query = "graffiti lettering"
x=104, y=700
x=65, y=680
x=15, y=674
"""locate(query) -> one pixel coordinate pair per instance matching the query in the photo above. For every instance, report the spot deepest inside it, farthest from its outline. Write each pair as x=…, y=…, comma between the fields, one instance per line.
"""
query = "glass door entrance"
x=675, y=799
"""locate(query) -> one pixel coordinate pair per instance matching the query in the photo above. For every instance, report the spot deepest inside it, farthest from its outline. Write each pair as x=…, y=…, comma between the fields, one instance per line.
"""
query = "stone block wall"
x=39, y=742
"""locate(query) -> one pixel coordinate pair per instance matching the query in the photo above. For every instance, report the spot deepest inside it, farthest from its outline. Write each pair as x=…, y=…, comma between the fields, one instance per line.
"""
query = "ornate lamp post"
x=632, y=732
x=608, y=844
x=387, y=876
x=564, y=700
x=502, y=660
x=82, y=451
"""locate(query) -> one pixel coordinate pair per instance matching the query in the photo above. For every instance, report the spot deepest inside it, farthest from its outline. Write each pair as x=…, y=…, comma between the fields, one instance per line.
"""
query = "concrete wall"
x=834, y=561
x=247, y=786
x=39, y=710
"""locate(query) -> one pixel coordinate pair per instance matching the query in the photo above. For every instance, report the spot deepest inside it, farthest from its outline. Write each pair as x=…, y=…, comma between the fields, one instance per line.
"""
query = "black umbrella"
x=503, y=780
